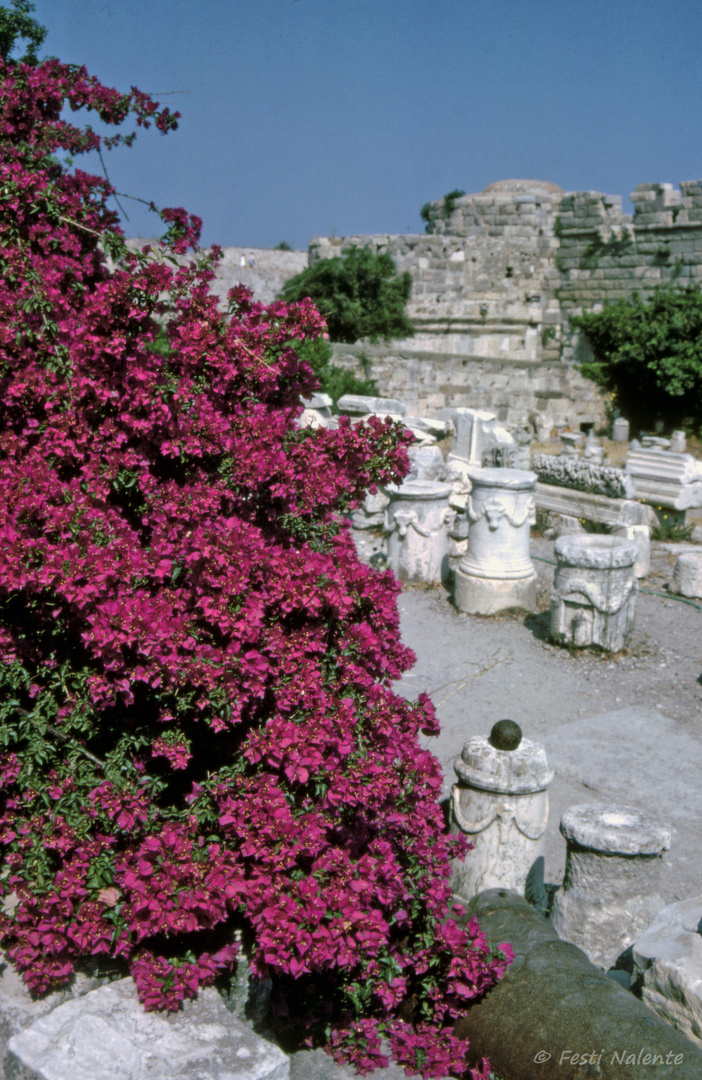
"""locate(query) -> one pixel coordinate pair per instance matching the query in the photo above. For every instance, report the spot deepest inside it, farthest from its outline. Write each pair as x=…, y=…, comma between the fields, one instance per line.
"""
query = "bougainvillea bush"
x=199, y=741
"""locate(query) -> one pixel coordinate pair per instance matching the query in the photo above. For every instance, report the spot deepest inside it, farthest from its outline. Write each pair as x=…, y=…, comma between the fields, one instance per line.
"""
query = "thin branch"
x=67, y=739
x=104, y=169
x=136, y=198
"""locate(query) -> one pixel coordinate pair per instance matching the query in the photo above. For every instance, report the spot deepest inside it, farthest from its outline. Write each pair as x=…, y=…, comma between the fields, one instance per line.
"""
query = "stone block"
x=669, y=957
x=666, y=479
x=687, y=576
x=594, y=595
x=106, y=1035
x=612, y=876
x=361, y=405
x=19, y=1010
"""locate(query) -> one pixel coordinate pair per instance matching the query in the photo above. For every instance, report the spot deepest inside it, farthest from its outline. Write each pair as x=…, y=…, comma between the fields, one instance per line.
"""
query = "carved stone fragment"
x=417, y=520
x=500, y=803
x=594, y=595
x=496, y=572
x=583, y=474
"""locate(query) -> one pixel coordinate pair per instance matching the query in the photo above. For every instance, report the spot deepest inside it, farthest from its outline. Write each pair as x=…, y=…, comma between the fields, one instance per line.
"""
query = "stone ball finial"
x=505, y=735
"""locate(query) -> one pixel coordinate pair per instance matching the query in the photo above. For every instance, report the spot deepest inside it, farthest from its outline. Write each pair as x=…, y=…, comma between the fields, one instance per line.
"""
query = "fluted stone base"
x=487, y=596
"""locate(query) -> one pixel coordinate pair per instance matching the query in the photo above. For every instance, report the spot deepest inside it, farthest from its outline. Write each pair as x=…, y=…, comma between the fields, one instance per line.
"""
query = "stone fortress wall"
x=263, y=270
x=496, y=279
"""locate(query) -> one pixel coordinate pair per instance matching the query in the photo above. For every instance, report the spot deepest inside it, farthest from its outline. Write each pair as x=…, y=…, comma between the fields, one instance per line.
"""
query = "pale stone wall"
x=496, y=280
x=516, y=390
x=271, y=269
x=605, y=255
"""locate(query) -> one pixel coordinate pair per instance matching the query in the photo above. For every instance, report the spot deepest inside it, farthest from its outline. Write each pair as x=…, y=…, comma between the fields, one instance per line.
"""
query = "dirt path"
x=626, y=730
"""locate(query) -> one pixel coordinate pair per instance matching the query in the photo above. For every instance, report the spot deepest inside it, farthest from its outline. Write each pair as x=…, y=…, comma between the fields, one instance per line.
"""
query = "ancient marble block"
x=107, y=1035
x=593, y=450
x=19, y=1009
x=472, y=435
x=416, y=524
x=427, y=463
x=317, y=412
x=612, y=877
x=678, y=442
x=641, y=536
x=371, y=512
x=544, y=427
x=363, y=404
x=583, y=474
x=497, y=572
x=584, y=504
x=500, y=803
x=368, y=527
x=572, y=441
x=594, y=591
x=687, y=576
x=664, y=479
x=669, y=957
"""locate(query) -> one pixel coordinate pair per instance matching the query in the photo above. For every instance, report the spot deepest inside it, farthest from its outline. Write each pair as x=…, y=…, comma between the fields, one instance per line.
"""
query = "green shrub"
x=450, y=202
x=649, y=353
x=670, y=528
x=360, y=294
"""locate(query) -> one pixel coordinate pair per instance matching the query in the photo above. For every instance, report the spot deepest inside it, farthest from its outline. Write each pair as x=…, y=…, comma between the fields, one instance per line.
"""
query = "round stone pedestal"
x=594, y=593
x=612, y=876
x=496, y=572
x=501, y=804
x=416, y=527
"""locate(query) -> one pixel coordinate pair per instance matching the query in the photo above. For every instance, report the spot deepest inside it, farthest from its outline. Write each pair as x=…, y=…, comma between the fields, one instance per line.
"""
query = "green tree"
x=360, y=294
x=649, y=353
x=16, y=25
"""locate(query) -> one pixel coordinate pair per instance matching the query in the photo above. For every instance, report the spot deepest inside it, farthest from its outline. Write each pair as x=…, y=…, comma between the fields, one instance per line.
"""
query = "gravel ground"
x=625, y=729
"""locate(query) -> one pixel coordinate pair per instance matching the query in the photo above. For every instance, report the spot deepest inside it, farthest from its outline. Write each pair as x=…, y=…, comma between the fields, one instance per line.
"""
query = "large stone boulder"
x=106, y=1035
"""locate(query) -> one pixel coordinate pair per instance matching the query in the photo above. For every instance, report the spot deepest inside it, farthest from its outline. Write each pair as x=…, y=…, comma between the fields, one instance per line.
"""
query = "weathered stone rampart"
x=497, y=278
x=513, y=389
x=263, y=270
x=495, y=282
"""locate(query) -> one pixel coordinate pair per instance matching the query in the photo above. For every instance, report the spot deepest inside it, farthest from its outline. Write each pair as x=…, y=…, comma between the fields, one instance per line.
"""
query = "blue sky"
x=311, y=117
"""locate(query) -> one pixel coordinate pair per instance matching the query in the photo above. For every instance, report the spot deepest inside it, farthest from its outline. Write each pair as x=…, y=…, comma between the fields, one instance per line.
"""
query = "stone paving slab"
x=106, y=1035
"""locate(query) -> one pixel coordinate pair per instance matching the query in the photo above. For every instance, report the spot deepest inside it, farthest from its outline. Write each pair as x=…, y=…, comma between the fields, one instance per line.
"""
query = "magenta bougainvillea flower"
x=200, y=744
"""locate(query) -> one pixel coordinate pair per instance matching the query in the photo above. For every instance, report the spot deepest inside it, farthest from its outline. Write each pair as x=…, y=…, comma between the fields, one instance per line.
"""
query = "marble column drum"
x=594, y=591
x=416, y=524
x=610, y=890
x=496, y=572
x=500, y=803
